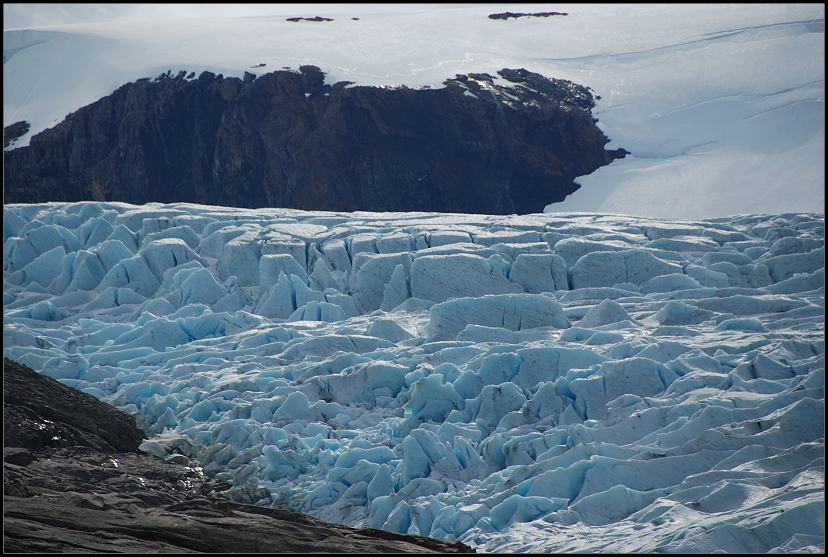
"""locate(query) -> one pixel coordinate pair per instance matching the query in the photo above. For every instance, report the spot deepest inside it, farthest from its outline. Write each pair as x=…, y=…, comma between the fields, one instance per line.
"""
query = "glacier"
x=569, y=381
x=547, y=382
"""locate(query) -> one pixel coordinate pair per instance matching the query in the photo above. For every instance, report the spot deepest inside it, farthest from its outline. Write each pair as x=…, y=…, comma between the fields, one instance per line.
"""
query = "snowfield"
x=547, y=382
x=722, y=107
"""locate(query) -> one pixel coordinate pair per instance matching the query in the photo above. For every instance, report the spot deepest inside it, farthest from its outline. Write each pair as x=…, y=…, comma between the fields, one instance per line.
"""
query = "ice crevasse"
x=501, y=380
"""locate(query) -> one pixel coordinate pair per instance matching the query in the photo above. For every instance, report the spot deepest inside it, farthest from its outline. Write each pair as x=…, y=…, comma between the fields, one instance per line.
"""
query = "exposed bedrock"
x=39, y=412
x=481, y=144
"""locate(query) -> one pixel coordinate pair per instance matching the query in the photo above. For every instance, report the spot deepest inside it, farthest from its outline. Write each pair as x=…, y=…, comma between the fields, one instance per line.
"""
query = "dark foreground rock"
x=481, y=144
x=39, y=412
x=193, y=526
x=84, y=495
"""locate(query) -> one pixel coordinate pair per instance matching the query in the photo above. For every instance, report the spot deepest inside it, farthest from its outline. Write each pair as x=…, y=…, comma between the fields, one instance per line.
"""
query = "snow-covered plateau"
x=722, y=107
x=547, y=382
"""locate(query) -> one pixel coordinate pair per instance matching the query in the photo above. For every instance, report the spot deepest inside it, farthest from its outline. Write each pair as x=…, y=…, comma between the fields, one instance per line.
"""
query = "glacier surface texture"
x=549, y=382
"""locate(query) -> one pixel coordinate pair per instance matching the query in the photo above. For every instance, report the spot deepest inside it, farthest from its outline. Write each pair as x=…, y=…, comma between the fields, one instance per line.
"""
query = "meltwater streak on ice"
x=536, y=383
x=722, y=107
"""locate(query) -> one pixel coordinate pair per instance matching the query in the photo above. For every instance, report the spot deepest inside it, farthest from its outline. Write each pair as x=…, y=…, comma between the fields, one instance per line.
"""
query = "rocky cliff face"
x=481, y=144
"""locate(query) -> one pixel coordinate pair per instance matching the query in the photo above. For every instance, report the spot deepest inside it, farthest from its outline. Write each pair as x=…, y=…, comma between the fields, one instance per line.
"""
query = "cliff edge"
x=480, y=144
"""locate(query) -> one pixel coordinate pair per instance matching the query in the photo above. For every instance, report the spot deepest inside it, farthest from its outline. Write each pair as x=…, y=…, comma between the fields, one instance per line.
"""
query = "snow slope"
x=550, y=382
x=722, y=107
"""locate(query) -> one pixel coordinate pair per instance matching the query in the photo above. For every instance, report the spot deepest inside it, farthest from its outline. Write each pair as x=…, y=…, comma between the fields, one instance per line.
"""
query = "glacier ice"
x=547, y=382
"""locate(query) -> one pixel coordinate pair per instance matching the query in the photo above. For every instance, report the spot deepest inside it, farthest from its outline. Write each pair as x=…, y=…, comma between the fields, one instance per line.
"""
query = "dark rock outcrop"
x=507, y=15
x=39, y=412
x=91, y=490
x=104, y=480
x=195, y=526
x=317, y=18
x=287, y=139
x=14, y=132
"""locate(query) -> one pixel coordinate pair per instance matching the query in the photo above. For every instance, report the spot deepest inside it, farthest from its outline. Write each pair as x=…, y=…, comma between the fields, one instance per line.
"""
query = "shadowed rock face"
x=39, y=412
x=286, y=139
x=91, y=490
